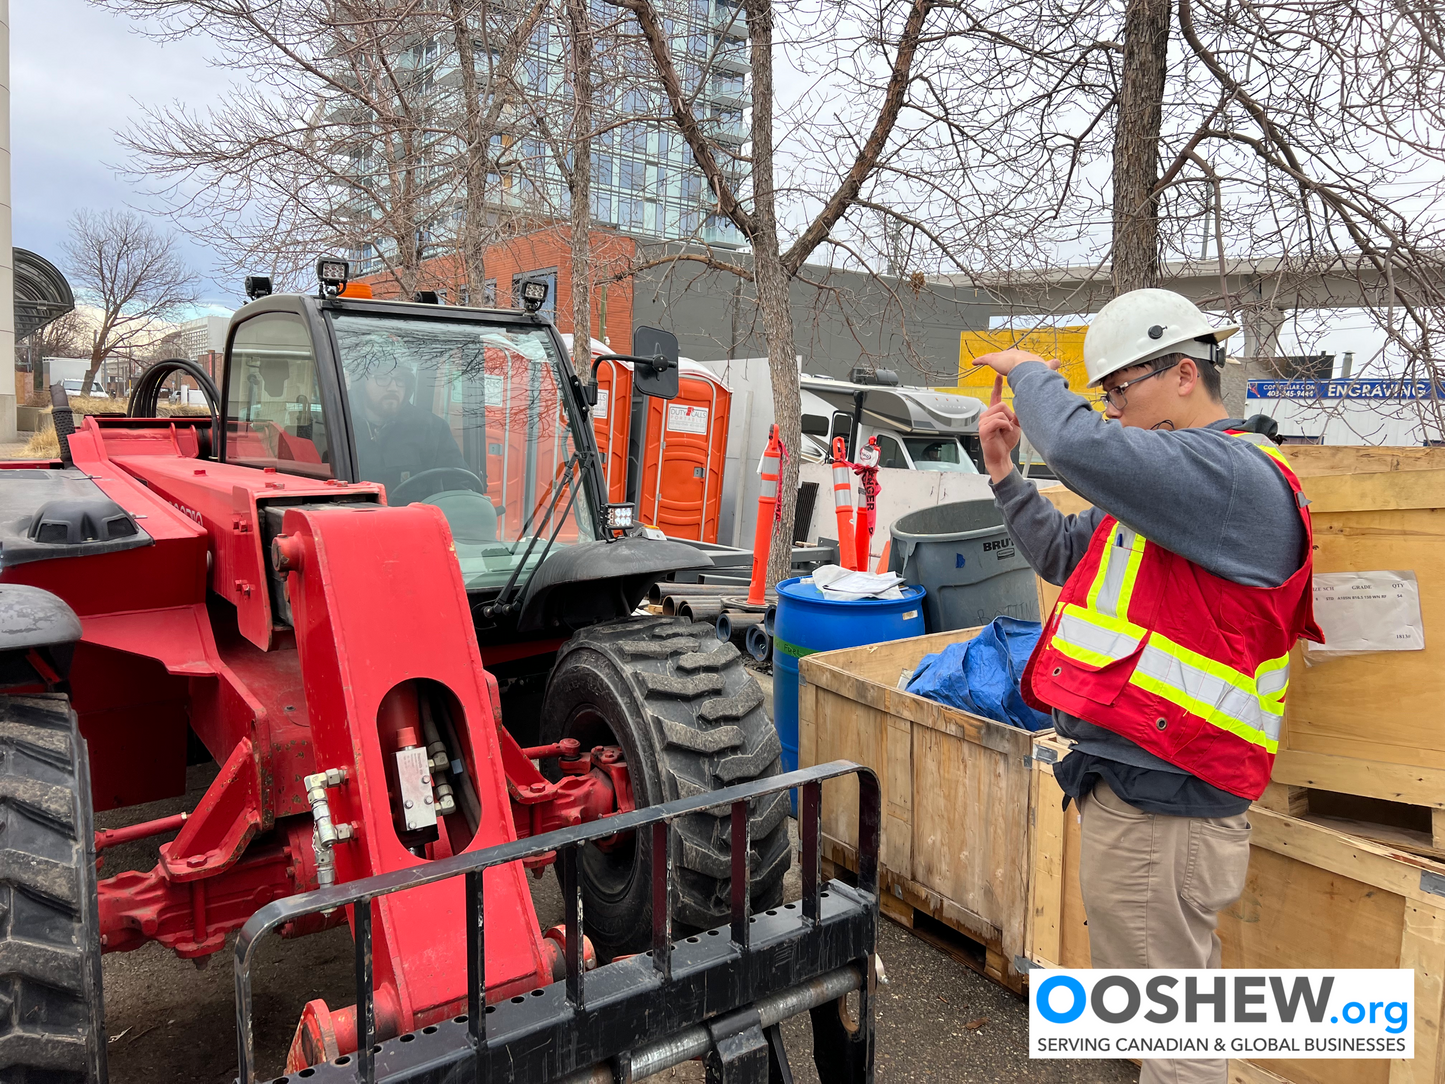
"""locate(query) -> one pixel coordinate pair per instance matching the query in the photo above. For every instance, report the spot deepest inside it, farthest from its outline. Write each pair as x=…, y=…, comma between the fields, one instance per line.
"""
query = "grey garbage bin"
x=963, y=555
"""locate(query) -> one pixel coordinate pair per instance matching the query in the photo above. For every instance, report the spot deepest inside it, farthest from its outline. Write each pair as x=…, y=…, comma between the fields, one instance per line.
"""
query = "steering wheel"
x=436, y=480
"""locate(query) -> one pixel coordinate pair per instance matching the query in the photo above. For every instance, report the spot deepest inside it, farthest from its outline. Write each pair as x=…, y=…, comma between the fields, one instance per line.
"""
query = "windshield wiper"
x=503, y=605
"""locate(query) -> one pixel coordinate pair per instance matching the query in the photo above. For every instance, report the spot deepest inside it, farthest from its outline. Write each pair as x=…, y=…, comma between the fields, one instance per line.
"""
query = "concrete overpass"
x=1258, y=293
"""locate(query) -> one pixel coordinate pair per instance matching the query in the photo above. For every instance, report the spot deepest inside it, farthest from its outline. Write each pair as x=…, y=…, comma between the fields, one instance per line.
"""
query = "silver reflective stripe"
x=770, y=464
x=842, y=498
x=1206, y=691
x=770, y=489
x=1273, y=682
x=1117, y=553
x=1114, y=645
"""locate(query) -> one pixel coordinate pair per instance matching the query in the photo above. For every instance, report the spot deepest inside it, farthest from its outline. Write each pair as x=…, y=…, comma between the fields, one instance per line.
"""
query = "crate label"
x=910, y=615
x=684, y=418
x=1362, y=612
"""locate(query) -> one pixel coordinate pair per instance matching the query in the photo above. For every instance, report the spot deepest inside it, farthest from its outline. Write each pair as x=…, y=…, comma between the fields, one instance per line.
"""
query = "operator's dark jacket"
x=412, y=442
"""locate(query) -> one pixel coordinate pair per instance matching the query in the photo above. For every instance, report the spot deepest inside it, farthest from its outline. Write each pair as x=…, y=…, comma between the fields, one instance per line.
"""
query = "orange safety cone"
x=771, y=471
x=867, y=470
x=883, y=561
x=843, y=503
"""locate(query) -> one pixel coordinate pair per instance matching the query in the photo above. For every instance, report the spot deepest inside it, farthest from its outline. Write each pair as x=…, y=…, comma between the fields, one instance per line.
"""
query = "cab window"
x=273, y=402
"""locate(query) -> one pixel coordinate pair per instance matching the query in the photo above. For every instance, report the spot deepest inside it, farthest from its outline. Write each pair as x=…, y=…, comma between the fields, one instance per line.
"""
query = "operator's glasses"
x=1115, y=396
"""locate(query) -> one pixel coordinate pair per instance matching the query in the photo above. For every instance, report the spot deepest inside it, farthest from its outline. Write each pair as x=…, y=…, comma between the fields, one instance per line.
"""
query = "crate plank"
x=1314, y=897
x=955, y=794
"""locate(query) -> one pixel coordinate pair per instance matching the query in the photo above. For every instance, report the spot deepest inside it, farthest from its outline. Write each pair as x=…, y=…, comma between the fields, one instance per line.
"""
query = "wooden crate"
x=1314, y=897
x=1370, y=725
x=955, y=797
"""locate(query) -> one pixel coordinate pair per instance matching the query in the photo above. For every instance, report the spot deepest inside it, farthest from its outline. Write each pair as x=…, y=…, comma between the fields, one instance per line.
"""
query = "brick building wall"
x=548, y=253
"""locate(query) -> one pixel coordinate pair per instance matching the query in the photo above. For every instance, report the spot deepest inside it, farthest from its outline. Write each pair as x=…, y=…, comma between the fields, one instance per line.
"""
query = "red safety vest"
x=1187, y=665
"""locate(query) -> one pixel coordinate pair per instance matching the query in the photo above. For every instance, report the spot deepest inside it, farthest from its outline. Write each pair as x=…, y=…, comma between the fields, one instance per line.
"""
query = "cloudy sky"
x=77, y=74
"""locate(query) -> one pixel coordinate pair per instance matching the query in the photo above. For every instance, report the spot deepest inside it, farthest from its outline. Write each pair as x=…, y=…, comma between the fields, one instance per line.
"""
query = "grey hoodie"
x=1211, y=498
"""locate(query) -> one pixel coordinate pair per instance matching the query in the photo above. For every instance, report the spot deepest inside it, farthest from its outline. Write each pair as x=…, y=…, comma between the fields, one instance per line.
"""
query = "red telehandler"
x=382, y=587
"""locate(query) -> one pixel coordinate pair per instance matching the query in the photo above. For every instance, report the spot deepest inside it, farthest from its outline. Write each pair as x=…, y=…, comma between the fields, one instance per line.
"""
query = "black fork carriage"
x=719, y=995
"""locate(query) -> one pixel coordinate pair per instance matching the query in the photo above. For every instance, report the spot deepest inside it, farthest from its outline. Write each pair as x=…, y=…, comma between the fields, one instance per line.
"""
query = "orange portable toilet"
x=679, y=490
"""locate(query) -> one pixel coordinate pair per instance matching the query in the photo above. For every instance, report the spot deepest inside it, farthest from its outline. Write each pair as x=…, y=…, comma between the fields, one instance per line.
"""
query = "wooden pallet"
x=968, y=938
x=1418, y=829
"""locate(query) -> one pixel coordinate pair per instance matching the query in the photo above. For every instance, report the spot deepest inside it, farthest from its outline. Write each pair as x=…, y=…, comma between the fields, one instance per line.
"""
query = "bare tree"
x=131, y=275
x=1296, y=152
x=746, y=187
x=368, y=128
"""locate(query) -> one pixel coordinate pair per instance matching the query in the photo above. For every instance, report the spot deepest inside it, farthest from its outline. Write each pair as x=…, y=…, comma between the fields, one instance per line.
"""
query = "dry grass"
x=43, y=445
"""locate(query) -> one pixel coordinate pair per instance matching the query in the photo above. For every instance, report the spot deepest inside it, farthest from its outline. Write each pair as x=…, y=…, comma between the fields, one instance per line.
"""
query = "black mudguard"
x=599, y=581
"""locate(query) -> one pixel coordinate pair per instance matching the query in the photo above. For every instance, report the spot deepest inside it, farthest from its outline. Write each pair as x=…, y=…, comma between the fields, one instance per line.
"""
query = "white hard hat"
x=1146, y=324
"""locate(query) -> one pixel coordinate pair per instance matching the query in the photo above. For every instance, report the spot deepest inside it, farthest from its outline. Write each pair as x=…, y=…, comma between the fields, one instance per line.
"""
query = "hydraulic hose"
x=145, y=396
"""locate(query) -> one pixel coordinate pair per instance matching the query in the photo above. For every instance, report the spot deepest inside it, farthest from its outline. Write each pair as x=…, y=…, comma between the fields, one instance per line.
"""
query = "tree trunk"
x=771, y=280
x=1136, y=145
x=581, y=187
x=474, y=209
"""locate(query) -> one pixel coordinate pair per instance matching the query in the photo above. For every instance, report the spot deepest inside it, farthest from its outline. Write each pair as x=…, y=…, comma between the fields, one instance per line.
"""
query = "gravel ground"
x=172, y=1021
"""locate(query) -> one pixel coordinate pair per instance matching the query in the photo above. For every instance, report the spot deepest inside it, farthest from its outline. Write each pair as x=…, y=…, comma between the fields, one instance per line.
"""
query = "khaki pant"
x=1153, y=886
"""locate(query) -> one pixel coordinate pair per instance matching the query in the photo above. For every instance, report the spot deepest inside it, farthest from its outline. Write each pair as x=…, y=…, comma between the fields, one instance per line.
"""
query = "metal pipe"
x=733, y=625
x=694, y=1042
x=699, y=609
x=660, y=591
x=114, y=837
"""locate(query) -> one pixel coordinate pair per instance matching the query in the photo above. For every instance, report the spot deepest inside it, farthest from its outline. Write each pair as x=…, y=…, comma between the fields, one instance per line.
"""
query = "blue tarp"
x=982, y=675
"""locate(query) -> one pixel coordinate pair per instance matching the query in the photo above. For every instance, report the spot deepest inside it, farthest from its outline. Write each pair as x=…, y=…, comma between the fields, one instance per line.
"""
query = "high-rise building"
x=645, y=182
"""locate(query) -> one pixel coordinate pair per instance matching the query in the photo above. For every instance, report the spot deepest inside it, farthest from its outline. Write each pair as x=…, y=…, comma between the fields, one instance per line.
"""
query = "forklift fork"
x=719, y=995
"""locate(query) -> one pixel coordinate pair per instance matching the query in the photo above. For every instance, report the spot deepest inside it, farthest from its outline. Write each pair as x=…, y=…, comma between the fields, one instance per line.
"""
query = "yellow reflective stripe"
x=1264, y=444
x=1081, y=654
x=1272, y=680
x=1216, y=693
x=1104, y=621
x=1207, y=712
x=1131, y=573
x=1113, y=586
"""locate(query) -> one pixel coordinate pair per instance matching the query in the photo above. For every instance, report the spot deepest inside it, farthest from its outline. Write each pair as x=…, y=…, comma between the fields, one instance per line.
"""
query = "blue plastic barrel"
x=808, y=623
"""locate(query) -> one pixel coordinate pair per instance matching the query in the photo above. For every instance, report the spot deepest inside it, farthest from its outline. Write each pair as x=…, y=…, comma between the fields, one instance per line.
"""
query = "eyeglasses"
x=392, y=379
x=1115, y=396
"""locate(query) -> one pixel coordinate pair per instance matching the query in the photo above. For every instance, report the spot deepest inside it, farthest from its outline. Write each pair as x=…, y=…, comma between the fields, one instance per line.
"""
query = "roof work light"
x=258, y=286
x=332, y=274
x=534, y=294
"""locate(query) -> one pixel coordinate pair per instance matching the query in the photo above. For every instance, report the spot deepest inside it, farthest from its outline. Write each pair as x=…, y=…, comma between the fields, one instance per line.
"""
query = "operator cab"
x=475, y=411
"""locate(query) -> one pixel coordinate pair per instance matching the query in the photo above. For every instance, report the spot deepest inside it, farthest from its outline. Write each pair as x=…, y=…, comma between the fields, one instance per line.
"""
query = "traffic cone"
x=771, y=471
x=843, y=503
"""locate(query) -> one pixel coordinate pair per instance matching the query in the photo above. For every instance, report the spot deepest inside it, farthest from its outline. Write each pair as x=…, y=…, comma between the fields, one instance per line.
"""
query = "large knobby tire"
x=690, y=720
x=52, y=1022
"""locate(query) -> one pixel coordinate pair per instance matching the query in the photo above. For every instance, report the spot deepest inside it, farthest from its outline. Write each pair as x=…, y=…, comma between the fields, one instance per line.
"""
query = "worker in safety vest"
x=1166, y=658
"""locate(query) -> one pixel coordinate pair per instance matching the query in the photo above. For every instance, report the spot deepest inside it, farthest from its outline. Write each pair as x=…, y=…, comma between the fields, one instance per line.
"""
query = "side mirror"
x=658, y=377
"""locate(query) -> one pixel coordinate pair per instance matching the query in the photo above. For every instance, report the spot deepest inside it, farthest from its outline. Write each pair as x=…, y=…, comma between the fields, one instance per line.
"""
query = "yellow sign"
x=1064, y=343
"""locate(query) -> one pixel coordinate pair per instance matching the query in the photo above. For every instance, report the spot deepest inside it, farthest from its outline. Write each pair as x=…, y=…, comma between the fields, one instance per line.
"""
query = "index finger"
x=997, y=391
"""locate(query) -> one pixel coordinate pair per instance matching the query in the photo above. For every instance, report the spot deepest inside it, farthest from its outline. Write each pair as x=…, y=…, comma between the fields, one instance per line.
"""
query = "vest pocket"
x=1102, y=685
